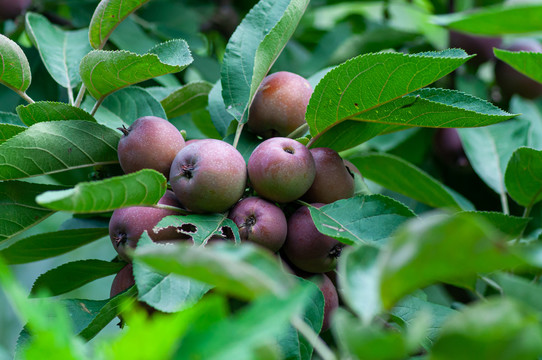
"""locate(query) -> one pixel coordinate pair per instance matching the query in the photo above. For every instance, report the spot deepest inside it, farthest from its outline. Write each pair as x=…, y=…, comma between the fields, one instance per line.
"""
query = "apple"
x=482, y=46
x=208, y=176
x=279, y=105
x=281, y=169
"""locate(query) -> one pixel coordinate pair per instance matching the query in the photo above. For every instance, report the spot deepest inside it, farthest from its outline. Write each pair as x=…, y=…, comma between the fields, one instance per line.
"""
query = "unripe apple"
x=306, y=247
x=279, y=105
x=10, y=9
x=127, y=225
x=332, y=181
x=261, y=222
x=510, y=80
x=149, y=143
x=208, y=176
x=281, y=169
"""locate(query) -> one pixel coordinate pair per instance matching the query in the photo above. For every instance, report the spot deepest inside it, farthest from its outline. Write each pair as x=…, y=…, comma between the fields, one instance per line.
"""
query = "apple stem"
x=299, y=131
x=312, y=337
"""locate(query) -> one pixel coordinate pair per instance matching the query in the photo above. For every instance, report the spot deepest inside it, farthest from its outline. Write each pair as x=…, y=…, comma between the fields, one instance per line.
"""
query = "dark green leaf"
x=15, y=72
x=523, y=177
x=193, y=96
x=361, y=219
x=46, y=245
x=144, y=187
x=107, y=16
x=73, y=275
x=51, y=111
x=19, y=208
x=400, y=176
x=50, y=147
x=61, y=51
x=7, y=131
x=509, y=225
x=527, y=63
x=219, y=115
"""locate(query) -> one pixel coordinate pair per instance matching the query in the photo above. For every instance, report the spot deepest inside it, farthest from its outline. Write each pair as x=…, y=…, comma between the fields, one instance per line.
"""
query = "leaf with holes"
x=50, y=147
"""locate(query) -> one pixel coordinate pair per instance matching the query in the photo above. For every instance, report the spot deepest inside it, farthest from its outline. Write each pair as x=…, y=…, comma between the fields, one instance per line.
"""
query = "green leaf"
x=7, y=131
x=497, y=329
x=73, y=275
x=244, y=271
x=441, y=248
x=19, y=208
x=489, y=149
x=254, y=47
x=201, y=228
x=15, y=72
x=10, y=118
x=51, y=111
x=520, y=289
x=219, y=115
x=107, y=16
x=144, y=187
x=527, y=63
x=193, y=96
x=51, y=147
x=61, y=51
x=496, y=20
x=530, y=113
x=47, y=245
x=512, y=226
x=523, y=177
x=104, y=72
x=125, y=106
x=400, y=176
x=365, y=219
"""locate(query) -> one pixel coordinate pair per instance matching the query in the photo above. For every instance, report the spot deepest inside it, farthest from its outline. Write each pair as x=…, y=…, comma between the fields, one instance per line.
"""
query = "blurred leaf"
x=496, y=20
x=531, y=113
x=400, y=176
x=523, y=177
x=239, y=336
x=125, y=106
x=247, y=143
x=191, y=97
x=10, y=118
x=520, y=289
x=379, y=93
x=489, y=149
x=51, y=111
x=167, y=293
x=104, y=72
x=497, y=329
x=254, y=47
x=61, y=51
x=73, y=275
x=366, y=341
x=361, y=219
x=19, y=208
x=527, y=63
x=16, y=71
x=46, y=245
x=107, y=16
x=507, y=224
x=144, y=187
x=50, y=147
x=243, y=271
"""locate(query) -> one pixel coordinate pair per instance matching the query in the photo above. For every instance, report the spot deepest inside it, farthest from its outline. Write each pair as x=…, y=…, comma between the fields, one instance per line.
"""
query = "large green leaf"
x=527, y=63
x=400, y=176
x=245, y=271
x=10, y=125
x=19, y=208
x=254, y=47
x=15, y=72
x=499, y=329
x=46, y=245
x=489, y=149
x=193, y=96
x=496, y=20
x=51, y=111
x=50, y=147
x=220, y=117
x=523, y=176
x=73, y=275
x=104, y=72
x=520, y=289
x=107, y=16
x=366, y=219
x=144, y=187
x=379, y=93
x=512, y=226
x=61, y=51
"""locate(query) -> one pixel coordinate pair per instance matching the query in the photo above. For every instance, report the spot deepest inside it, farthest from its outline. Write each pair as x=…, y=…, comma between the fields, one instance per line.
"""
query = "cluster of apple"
x=211, y=176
